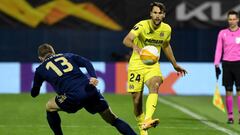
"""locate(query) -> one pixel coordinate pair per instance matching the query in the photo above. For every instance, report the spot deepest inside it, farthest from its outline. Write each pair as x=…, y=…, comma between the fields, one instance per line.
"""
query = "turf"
x=22, y=115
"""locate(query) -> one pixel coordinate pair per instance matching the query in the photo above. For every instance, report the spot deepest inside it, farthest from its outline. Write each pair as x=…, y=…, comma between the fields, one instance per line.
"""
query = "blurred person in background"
x=74, y=89
x=148, y=32
x=228, y=49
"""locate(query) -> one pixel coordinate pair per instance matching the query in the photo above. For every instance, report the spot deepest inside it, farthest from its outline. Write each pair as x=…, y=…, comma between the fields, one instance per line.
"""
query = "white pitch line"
x=198, y=117
x=96, y=126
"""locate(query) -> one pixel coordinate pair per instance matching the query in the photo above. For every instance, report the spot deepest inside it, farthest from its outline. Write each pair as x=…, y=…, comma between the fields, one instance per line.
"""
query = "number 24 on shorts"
x=135, y=77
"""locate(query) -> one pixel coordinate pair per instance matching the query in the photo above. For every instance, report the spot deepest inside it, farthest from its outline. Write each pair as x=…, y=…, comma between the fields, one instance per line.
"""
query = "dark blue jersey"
x=63, y=73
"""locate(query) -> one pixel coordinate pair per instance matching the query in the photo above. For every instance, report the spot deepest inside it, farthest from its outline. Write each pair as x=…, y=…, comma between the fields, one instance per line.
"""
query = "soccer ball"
x=149, y=55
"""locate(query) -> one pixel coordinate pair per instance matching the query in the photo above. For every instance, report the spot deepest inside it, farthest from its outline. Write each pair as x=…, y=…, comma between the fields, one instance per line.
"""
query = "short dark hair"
x=45, y=49
x=158, y=4
x=233, y=12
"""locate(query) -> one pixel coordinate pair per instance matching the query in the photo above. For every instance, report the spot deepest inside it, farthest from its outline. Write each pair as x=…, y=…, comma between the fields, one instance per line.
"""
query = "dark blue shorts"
x=87, y=97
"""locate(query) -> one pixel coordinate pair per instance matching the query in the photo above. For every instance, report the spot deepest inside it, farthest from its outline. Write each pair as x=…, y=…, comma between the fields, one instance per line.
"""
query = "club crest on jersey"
x=135, y=27
x=161, y=34
x=131, y=86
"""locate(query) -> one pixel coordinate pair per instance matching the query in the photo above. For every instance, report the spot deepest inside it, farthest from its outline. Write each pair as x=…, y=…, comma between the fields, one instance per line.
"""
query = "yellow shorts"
x=137, y=78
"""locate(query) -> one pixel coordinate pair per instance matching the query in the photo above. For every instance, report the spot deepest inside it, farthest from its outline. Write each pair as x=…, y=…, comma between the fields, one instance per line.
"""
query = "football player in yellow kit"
x=156, y=33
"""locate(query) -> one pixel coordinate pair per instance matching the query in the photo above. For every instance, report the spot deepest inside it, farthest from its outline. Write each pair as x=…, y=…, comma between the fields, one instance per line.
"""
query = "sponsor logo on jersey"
x=153, y=41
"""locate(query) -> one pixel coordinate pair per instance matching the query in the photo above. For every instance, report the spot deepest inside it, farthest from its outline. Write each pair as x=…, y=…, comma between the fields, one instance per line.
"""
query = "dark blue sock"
x=123, y=127
x=54, y=122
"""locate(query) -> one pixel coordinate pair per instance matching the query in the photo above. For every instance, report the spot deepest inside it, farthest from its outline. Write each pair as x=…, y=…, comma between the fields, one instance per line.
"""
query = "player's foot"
x=148, y=123
x=142, y=132
x=230, y=121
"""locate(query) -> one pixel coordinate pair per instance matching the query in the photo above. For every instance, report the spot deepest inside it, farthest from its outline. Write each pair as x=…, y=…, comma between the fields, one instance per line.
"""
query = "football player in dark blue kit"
x=74, y=89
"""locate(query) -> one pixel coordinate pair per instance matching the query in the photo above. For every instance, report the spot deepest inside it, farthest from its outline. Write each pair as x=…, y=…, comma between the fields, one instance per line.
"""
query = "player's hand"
x=93, y=81
x=180, y=70
x=136, y=49
x=218, y=71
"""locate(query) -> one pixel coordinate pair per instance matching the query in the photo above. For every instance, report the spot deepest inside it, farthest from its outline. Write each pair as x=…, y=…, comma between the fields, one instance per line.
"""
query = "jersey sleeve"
x=219, y=48
x=84, y=62
x=37, y=83
x=137, y=29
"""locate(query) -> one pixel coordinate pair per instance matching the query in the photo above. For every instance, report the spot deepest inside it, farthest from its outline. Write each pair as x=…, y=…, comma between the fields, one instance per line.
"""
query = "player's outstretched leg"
x=153, y=85
x=120, y=125
x=54, y=122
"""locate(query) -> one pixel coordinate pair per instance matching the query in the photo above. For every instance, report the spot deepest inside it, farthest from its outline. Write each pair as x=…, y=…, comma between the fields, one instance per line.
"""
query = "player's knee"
x=154, y=84
x=238, y=92
x=154, y=87
x=229, y=88
x=49, y=107
x=238, y=88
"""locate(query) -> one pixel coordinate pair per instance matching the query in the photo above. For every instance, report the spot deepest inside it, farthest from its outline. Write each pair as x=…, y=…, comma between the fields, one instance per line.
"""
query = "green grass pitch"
x=20, y=114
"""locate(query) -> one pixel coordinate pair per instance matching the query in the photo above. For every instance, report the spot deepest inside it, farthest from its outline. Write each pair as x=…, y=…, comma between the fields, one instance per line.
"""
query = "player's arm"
x=218, y=51
x=84, y=62
x=167, y=49
x=218, y=54
x=128, y=42
x=37, y=83
x=129, y=38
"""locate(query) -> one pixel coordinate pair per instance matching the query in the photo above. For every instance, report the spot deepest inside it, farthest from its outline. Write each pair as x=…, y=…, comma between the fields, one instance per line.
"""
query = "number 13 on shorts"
x=135, y=81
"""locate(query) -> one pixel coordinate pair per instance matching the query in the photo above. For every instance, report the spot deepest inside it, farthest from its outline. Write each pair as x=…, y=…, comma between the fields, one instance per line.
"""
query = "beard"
x=232, y=25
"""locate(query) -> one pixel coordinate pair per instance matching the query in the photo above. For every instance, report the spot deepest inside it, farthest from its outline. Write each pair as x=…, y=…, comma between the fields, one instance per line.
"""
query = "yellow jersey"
x=147, y=35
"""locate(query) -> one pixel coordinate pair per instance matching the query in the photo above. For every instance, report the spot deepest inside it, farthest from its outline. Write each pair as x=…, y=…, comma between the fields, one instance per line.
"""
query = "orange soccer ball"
x=149, y=55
